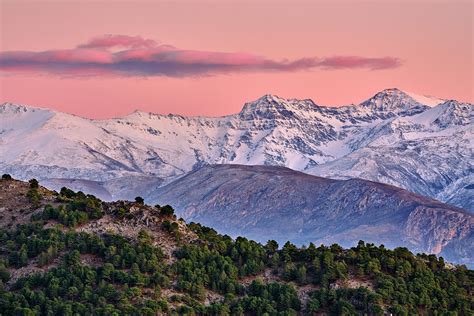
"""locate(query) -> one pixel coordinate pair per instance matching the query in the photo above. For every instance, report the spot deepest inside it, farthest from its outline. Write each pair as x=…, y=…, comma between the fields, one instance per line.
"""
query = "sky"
x=102, y=59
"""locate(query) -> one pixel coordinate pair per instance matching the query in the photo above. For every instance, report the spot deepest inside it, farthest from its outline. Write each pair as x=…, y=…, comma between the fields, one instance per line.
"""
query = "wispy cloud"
x=340, y=62
x=108, y=41
x=121, y=55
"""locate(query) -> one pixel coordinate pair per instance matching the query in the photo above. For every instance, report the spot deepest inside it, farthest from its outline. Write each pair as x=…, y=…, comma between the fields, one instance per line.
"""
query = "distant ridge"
x=265, y=202
x=393, y=137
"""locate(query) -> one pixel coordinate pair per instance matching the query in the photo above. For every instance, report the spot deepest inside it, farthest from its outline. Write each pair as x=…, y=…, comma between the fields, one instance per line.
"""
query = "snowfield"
x=419, y=143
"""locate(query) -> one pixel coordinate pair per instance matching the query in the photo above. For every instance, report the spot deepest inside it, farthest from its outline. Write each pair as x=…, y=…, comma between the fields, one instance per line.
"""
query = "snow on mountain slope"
x=428, y=153
x=392, y=137
x=424, y=99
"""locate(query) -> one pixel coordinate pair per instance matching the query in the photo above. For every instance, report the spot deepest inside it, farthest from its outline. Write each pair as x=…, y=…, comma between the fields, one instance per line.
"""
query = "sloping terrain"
x=265, y=202
x=429, y=153
x=68, y=253
x=16, y=209
x=421, y=144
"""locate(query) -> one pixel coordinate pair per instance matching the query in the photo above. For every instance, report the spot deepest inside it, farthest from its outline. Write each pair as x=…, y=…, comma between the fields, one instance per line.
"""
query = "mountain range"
x=268, y=202
x=422, y=144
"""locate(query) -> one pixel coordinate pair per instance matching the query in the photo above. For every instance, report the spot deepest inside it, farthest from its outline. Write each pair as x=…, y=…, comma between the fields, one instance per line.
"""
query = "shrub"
x=170, y=226
x=34, y=184
x=34, y=197
x=167, y=210
x=139, y=200
x=67, y=192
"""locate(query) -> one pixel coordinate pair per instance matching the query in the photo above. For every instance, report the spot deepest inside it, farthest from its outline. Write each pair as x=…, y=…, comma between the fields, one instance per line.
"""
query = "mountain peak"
x=271, y=106
x=271, y=98
x=9, y=107
x=394, y=101
x=138, y=113
x=268, y=106
x=394, y=94
x=16, y=108
x=13, y=108
x=391, y=91
x=452, y=113
x=389, y=94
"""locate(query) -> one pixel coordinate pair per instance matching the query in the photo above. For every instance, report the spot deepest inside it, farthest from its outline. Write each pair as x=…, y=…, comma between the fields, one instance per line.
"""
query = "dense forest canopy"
x=50, y=265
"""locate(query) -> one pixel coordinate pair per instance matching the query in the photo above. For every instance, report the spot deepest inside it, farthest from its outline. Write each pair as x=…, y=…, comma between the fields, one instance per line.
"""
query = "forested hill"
x=69, y=253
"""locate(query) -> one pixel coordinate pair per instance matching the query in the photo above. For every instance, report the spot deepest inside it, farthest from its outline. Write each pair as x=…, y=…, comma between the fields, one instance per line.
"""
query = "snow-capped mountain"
x=419, y=143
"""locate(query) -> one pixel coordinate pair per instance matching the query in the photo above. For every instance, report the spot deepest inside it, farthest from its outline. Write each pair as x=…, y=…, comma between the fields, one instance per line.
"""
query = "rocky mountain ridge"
x=265, y=202
x=417, y=143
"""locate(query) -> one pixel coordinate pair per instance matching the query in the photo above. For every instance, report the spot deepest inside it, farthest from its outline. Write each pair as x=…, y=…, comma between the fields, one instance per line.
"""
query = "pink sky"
x=209, y=57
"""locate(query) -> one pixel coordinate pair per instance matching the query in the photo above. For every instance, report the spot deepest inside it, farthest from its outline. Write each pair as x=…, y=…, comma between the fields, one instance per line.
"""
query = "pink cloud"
x=360, y=62
x=108, y=41
x=144, y=57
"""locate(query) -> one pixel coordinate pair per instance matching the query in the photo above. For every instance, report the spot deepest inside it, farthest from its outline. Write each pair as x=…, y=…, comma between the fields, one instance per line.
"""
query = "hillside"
x=265, y=202
x=421, y=144
x=67, y=253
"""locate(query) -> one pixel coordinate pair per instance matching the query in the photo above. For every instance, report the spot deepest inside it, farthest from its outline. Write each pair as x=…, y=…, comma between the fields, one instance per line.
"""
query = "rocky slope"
x=70, y=253
x=417, y=143
x=264, y=202
x=16, y=209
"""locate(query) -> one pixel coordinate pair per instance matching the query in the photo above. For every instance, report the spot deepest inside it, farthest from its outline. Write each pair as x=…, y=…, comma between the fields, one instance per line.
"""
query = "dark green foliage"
x=346, y=301
x=33, y=194
x=139, y=200
x=34, y=197
x=170, y=226
x=166, y=210
x=129, y=275
x=200, y=268
x=121, y=212
x=271, y=246
x=6, y=176
x=82, y=289
x=80, y=208
x=34, y=184
x=68, y=193
x=272, y=298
